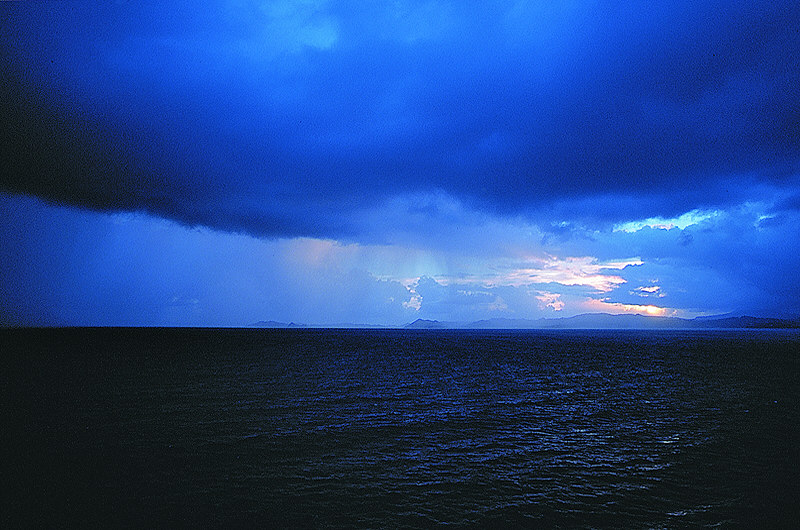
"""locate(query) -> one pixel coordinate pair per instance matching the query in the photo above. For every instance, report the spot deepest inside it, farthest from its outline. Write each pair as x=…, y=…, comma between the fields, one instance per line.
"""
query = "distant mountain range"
x=283, y=325
x=607, y=321
x=584, y=321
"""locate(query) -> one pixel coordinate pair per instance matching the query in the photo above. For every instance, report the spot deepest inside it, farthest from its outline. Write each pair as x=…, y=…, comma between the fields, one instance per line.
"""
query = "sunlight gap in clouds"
x=682, y=221
x=571, y=271
x=584, y=271
x=604, y=306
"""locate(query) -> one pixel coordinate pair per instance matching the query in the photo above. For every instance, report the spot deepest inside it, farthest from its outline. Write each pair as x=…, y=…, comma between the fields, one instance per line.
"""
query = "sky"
x=328, y=162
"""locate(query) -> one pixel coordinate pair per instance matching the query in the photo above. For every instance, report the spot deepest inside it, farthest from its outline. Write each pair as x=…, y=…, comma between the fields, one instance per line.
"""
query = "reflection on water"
x=404, y=428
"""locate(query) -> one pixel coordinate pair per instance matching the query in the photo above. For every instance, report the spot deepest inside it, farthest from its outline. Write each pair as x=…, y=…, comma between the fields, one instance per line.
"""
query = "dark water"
x=321, y=428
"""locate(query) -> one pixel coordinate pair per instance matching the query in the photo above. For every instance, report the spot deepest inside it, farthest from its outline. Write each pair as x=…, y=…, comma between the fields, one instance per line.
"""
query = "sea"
x=393, y=428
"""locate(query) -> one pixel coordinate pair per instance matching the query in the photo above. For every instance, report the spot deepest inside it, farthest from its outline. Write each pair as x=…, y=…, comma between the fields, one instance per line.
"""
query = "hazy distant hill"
x=748, y=322
x=421, y=323
x=584, y=321
x=607, y=321
x=274, y=324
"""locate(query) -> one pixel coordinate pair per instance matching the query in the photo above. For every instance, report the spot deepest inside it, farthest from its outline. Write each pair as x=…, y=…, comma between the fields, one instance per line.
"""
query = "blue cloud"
x=437, y=139
x=266, y=118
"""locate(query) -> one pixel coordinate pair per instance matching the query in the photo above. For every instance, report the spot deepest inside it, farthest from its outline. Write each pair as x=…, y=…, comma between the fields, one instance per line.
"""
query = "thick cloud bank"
x=378, y=162
x=292, y=118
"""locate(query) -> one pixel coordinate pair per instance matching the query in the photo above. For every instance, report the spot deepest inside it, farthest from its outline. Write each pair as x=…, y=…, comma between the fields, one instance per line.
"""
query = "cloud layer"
x=293, y=118
x=328, y=161
x=63, y=266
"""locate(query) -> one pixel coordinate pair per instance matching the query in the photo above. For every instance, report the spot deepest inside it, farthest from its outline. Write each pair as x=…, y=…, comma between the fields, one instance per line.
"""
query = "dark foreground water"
x=319, y=428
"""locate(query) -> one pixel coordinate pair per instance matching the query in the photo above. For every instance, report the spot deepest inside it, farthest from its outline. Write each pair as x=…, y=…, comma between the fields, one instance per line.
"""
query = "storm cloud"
x=291, y=118
x=369, y=162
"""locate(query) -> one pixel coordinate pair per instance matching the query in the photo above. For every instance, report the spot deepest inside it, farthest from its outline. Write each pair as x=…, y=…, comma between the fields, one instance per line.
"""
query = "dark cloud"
x=62, y=266
x=745, y=258
x=285, y=119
